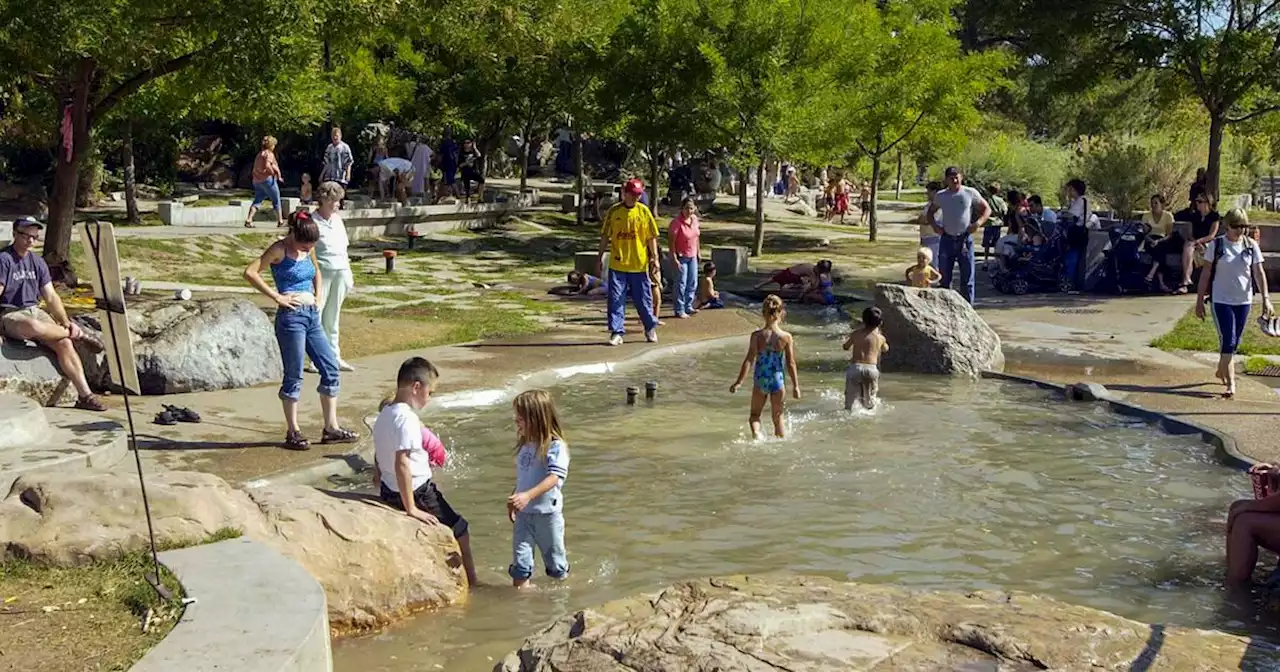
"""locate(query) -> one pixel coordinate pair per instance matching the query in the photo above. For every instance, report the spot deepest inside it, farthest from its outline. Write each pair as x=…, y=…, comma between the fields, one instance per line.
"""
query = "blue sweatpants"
x=637, y=285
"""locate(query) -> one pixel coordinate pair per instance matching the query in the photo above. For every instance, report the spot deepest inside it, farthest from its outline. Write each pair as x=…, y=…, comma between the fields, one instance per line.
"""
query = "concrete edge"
x=361, y=457
x=1224, y=444
x=106, y=454
x=254, y=611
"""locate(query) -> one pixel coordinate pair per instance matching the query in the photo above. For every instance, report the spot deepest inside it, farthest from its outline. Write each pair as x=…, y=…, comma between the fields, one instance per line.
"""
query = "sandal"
x=338, y=435
x=1182, y=289
x=90, y=403
x=294, y=440
x=182, y=414
x=165, y=417
x=248, y=225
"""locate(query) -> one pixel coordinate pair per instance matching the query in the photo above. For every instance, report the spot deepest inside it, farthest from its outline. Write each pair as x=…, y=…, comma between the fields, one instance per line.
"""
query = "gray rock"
x=936, y=331
x=776, y=622
x=1088, y=392
x=193, y=346
x=30, y=371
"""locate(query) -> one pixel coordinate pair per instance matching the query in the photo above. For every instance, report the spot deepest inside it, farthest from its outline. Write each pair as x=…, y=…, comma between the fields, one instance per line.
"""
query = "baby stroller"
x=1034, y=267
x=1127, y=262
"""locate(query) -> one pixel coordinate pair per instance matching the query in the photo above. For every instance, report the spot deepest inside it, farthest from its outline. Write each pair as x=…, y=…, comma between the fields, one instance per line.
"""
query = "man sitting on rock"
x=24, y=278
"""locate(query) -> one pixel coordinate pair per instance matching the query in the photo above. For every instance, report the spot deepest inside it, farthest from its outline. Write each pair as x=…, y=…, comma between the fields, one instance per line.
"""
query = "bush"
x=1120, y=175
x=1017, y=163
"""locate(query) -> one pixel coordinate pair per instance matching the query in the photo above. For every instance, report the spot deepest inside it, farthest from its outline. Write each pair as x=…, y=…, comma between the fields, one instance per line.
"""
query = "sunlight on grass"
x=1193, y=334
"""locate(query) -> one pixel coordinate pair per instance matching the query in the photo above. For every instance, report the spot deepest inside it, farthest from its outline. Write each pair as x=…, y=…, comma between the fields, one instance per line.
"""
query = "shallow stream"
x=948, y=485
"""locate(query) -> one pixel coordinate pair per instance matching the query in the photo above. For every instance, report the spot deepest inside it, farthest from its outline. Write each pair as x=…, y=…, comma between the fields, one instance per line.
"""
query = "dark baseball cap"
x=23, y=222
x=951, y=171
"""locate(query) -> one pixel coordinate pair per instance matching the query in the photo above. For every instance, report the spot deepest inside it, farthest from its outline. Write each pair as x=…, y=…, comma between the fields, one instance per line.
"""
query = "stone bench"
x=730, y=260
x=177, y=213
x=32, y=371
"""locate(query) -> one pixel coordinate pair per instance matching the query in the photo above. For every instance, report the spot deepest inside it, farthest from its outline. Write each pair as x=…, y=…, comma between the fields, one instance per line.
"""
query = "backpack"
x=1249, y=252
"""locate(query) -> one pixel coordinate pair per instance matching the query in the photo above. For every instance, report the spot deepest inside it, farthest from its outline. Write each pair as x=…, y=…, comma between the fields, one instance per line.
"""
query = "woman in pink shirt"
x=266, y=182
x=682, y=238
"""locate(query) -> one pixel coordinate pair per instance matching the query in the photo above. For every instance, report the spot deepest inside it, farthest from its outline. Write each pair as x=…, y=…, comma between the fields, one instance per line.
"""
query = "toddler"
x=536, y=505
x=923, y=274
x=866, y=343
x=401, y=463
x=772, y=351
x=306, y=188
x=708, y=297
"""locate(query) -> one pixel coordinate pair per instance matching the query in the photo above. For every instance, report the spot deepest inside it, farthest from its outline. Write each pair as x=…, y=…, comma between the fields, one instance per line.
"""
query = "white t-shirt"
x=331, y=249
x=399, y=429
x=1232, y=285
x=1077, y=209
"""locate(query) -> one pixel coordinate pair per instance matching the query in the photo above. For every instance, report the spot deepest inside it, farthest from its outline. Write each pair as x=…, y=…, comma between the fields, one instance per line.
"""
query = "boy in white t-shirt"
x=401, y=465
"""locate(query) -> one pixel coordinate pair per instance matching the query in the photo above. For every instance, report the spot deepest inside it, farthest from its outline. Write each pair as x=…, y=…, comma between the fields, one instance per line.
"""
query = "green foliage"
x=1118, y=174
x=1016, y=162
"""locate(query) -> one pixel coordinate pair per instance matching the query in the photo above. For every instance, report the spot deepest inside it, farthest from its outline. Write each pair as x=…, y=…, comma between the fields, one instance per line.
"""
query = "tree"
x=91, y=57
x=919, y=87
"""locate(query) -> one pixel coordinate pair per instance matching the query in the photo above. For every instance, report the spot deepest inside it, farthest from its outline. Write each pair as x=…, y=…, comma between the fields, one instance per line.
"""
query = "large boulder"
x=936, y=331
x=31, y=371
x=743, y=624
x=376, y=564
x=195, y=346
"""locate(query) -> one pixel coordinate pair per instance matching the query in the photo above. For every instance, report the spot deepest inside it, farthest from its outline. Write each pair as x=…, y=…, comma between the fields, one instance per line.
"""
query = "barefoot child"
x=401, y=464
x=586, y=284
x=770, y=350
x=536, y=505
x=305, y=191
x=866, y=343
x=708, y=297
x=923, y=274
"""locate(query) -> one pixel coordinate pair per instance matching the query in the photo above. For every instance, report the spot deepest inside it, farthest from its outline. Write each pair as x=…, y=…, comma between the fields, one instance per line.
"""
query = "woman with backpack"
x=1233, y=272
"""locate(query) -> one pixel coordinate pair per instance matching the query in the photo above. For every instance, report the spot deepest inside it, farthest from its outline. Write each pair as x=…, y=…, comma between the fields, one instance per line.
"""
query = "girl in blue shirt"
x=536, y=505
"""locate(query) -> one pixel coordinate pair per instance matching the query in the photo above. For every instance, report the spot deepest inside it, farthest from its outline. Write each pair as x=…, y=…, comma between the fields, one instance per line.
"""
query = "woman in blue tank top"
x=298, y=329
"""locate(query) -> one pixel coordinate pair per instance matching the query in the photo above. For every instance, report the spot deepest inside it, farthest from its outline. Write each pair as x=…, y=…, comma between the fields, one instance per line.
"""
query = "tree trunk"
x=130, y=183
x=524, y=164
x=897, y=186
x=579, y=173
x=653, y=181
x=757, y=248
x=743, y=172
x=1212, y=172
x=89, y=181
x=875, y=195
x=66, y=173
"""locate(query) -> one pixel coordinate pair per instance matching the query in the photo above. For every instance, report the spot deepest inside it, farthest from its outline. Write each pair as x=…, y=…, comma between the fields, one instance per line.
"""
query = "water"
x=949, y=485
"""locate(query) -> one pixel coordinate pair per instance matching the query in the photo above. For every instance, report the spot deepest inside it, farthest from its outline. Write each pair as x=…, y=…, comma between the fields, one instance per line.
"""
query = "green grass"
x=464, y=325
x=1255, y=364
x=1197, y=335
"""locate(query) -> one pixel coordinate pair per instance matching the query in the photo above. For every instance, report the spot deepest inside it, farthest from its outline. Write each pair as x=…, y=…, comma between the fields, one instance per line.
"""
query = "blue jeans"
x=267, y=190
x=686, y=284
x=546, y=530
x=299, y=333
x=950, y=250
x=1230, y=321
x=636, y=284
x=1071, y=266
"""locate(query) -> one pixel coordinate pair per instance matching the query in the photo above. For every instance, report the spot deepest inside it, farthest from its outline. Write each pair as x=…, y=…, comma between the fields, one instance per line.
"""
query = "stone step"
x=73, y=440
x=22, y=421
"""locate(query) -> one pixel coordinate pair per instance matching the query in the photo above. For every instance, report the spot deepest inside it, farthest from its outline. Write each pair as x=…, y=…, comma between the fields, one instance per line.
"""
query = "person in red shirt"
x=683, y=239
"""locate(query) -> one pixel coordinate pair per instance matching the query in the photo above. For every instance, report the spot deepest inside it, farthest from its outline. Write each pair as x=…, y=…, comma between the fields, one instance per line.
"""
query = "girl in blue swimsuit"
x=772, y=352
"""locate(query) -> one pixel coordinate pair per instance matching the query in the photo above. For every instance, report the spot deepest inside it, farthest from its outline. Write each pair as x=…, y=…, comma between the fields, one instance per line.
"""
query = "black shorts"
x=472, y=175
x=429, y=499
x=866, y=205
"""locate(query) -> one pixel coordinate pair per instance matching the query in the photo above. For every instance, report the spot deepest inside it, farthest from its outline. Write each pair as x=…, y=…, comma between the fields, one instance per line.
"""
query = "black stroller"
x=1127, y=261
x=1034, y=267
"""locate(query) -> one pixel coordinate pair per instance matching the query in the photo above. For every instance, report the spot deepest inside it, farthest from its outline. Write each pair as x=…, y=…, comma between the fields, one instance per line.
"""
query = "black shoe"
x=166, y=417
x=182, y=414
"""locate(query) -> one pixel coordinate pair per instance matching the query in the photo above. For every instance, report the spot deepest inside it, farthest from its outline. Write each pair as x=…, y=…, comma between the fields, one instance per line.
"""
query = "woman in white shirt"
x=1233, y=269
x=335, y=267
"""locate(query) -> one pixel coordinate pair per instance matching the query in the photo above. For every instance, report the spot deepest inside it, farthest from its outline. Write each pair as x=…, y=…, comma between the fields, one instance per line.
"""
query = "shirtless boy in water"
x=866, y=344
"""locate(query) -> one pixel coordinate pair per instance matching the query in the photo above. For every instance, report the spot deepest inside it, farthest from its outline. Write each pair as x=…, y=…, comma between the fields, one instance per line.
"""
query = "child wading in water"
x=923, y=274
x=402, y=464
x=862, y=378
x=536, y=505
x=769, y=350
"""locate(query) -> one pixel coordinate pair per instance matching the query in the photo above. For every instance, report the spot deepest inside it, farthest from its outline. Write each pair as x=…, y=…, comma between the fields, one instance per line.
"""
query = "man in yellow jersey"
x=630, y=234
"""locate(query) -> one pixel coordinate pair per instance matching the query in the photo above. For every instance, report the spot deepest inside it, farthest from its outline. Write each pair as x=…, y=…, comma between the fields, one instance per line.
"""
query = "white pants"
x=336, y=284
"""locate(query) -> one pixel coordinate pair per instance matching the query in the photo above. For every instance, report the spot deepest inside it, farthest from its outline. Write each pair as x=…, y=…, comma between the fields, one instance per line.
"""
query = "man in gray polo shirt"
x=957, y=204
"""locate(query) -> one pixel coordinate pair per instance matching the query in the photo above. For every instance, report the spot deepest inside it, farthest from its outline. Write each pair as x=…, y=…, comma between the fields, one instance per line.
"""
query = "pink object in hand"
x=431, y=443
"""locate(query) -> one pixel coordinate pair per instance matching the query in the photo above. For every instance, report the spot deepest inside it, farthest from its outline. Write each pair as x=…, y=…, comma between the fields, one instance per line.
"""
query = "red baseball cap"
x=633, y=186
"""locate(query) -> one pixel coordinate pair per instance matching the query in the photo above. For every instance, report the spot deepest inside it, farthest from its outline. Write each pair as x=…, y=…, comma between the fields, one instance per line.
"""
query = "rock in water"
x=195, y=346
x=936, y=331
x=776, y=622
x=376, y=564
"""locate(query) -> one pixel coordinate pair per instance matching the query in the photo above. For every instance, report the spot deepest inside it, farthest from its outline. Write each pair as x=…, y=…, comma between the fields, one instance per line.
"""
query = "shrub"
x=1016, y=162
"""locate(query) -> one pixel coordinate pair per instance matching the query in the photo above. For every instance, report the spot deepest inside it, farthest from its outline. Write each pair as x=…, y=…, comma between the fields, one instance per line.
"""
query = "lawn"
x=1200, y=335
x=85, y=618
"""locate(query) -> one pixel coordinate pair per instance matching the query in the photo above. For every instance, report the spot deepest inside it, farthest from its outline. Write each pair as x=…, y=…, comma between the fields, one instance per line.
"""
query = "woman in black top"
x=1204, y=227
